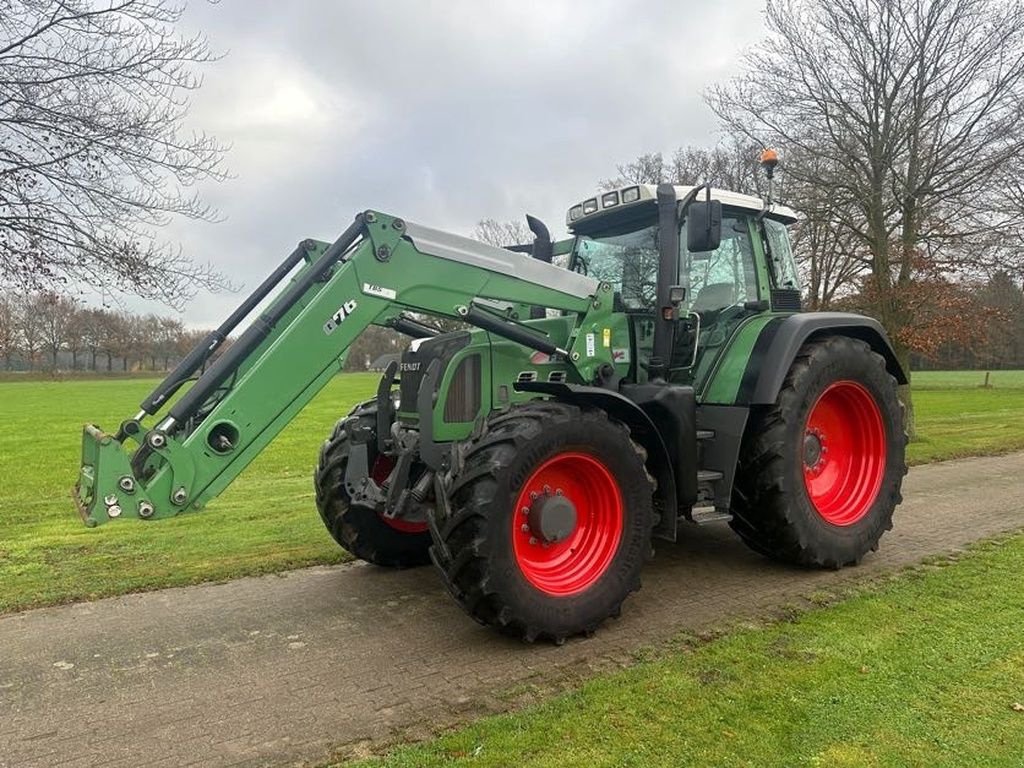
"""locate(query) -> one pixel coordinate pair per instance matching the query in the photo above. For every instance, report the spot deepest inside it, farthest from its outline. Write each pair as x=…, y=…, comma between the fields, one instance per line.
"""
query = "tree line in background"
x=901, y=127
x=49, y=331
x=95, y=156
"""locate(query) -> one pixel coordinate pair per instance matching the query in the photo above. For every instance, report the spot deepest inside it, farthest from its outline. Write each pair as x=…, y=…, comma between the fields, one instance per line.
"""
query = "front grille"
x=413, y=366
x=464, y=395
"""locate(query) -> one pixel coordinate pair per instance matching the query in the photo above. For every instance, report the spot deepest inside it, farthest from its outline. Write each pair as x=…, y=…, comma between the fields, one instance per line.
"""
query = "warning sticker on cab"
x=591, y=344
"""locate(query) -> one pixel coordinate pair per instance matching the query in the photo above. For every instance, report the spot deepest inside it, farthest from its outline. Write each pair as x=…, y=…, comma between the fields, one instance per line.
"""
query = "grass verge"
x=926, y=669
x=266, y=521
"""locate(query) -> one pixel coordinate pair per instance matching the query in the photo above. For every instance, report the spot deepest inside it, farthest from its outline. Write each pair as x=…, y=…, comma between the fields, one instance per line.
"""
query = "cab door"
x=723, y=288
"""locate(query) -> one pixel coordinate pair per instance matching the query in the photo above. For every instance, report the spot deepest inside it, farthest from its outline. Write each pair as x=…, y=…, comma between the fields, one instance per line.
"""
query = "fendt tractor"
x=653, y=370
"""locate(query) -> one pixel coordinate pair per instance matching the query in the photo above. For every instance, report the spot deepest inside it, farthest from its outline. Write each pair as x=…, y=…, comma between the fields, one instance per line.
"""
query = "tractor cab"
x=749, y=271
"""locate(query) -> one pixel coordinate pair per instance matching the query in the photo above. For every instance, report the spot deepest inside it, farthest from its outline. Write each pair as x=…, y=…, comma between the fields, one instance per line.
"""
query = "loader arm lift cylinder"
x=377, y=269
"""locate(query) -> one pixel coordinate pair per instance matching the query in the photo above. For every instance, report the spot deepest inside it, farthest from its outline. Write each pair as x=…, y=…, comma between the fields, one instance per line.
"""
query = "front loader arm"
x=377, y=269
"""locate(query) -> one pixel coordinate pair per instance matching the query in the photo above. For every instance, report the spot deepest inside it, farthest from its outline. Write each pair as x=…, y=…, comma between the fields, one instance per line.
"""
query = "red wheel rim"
x=844, y=451
x=380, y=471
x=572, y=564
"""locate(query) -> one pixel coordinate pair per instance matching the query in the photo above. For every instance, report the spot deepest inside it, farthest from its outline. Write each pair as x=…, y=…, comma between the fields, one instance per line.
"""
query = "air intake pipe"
x=542, y=251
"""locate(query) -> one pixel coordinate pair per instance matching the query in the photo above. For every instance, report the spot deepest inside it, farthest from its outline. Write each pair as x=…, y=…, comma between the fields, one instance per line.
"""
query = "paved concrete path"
x=284, y=669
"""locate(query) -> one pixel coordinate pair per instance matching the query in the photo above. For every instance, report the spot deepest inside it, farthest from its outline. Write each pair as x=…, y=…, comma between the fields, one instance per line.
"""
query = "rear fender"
x=780, y=341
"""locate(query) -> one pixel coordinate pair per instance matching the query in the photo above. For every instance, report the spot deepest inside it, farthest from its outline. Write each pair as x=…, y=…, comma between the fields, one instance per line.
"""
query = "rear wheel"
x=820, y=471
x=551, y=522
x=360, y=529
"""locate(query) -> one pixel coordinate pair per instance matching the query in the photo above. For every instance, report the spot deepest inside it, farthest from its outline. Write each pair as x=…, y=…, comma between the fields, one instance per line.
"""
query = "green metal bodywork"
x=382, y=275
x=298, y=358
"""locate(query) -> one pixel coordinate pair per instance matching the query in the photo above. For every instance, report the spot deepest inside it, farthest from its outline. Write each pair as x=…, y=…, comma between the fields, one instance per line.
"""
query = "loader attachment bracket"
x=106, y=465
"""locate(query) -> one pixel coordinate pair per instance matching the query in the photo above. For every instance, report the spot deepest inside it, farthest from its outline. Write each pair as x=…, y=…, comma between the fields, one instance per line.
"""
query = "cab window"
x=783, y=263
x=724, y=277
x=628, y=261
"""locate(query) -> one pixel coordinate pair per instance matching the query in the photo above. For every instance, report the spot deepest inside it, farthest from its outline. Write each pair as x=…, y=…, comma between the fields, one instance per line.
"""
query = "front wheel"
x=364, y=530
x=820, y=471
x=551, y=522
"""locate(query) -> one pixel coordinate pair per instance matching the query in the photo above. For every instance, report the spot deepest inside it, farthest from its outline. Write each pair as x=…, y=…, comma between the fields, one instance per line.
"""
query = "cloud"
x=444, y=112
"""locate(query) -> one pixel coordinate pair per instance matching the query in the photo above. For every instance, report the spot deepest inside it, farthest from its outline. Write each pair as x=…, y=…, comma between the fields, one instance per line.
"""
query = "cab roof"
x=637, y=196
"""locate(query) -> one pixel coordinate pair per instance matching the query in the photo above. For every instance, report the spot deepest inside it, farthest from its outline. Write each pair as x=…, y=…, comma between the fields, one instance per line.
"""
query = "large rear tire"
x=551, y=523
x=820, y=472
x=364, y=530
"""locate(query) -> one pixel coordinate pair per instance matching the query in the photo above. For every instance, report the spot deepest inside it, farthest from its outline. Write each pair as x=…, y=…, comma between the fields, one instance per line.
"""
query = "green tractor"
x=652, y=371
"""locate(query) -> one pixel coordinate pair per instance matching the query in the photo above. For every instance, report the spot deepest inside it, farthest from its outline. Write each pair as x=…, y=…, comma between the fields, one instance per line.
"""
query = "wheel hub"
x=814, y=450
x=844, y=452
x=567, y=524
x=552, y=517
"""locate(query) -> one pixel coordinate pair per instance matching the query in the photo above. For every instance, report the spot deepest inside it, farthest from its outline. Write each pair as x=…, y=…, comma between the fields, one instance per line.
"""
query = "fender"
x=781, y=339
x=643, y=430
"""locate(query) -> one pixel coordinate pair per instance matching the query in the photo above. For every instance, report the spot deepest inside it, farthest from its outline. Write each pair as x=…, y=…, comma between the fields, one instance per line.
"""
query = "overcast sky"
x=441, y=112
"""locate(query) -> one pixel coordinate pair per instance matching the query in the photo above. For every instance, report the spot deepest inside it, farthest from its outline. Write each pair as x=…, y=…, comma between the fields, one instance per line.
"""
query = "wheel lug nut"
x=524, y=528
x=559, y=492
x=547, y=489
x=526, y=510
x=533, y=540
x=534, y=495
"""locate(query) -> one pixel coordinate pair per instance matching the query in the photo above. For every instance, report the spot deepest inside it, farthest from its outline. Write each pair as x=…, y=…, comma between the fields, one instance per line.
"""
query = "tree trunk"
x=110, y=362
x=906, y=395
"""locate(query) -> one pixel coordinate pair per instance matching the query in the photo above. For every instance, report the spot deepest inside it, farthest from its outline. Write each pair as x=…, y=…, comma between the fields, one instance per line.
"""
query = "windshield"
x=628, y=261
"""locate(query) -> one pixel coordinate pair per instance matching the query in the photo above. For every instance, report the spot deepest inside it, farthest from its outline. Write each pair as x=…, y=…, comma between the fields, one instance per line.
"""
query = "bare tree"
x=93, y=324
x=502, y=233
x=30, y=328
x=8, y=329
x=56, y=314
x=168, y=333
x=93, y=154
x=903, y=112
x=732, y=165
x=646, y=169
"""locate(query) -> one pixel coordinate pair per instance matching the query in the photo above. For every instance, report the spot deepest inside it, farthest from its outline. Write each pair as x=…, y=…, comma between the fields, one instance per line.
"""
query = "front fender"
x=642, y=429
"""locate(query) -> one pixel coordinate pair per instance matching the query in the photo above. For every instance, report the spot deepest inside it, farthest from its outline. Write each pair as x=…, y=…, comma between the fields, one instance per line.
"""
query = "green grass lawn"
x=967, y=379
x=926, y=670
x=953, y=423
x=266, y=520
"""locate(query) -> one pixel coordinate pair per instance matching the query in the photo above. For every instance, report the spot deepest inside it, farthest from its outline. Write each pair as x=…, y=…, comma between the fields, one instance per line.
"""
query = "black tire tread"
x=358, y=529
x=465, y=568
x=764, y=513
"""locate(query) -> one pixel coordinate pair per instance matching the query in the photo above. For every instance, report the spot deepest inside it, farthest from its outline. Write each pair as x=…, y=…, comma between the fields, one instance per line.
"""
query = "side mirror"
x=703, y=226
